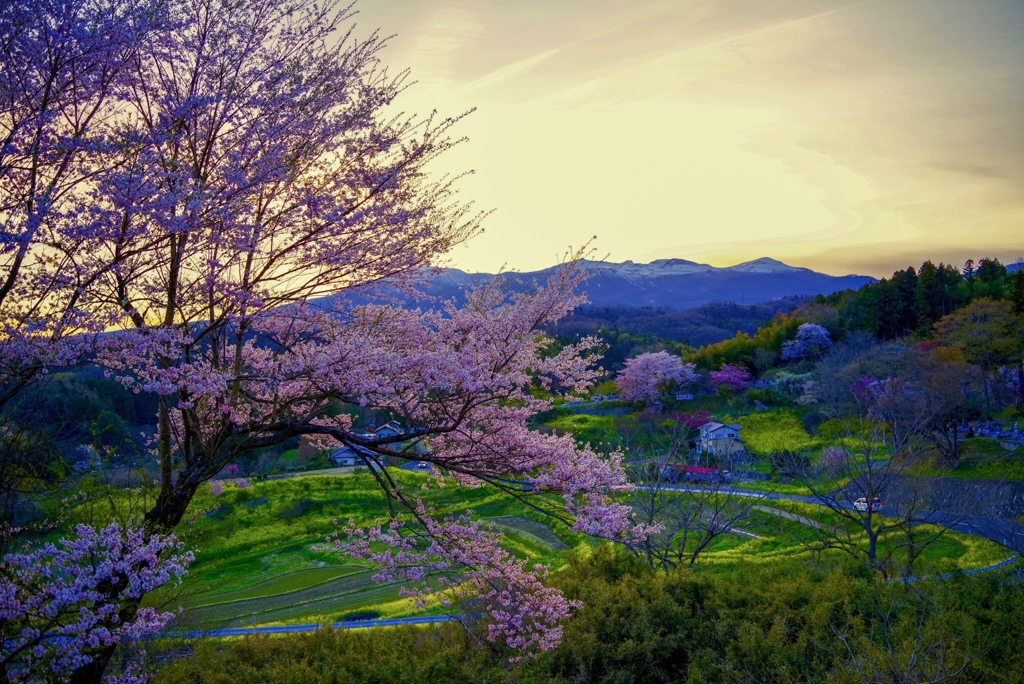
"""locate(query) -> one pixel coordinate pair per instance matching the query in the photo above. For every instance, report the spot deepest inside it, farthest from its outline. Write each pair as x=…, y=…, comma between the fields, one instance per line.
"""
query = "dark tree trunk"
x=92, y=672
x=172, y=503
x=1020, y=382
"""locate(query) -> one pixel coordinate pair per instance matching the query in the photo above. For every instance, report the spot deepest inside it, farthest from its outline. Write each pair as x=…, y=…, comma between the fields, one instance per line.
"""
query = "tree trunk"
x=92, y=672
x=1020, y=382
x=172, y=503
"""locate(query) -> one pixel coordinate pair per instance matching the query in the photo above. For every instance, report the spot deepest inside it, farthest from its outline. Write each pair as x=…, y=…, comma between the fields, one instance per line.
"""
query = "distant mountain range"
x=672, y=284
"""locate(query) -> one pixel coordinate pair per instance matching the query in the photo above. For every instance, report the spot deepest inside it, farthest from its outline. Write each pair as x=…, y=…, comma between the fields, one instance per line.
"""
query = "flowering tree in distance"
x=733, y=376
x=646, y=376
x=247, y=181
x=812, y=340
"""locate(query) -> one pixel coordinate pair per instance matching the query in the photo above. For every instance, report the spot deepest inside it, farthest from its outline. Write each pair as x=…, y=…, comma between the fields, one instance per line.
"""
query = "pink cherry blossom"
x=240, y=181
x=732, y=376
x=61, y=602
x=649, y=375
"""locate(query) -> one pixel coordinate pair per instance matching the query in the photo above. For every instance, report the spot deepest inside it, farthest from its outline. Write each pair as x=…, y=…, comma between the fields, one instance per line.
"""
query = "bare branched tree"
x=867, y=484
x=688, y=516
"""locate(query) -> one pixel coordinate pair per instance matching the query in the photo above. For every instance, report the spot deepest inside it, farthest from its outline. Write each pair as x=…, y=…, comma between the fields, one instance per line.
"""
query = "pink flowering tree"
x=250, y=178
x=64, y=67
x=812, y=341
x=649, y=375
x=61, y=603
x=734, y=377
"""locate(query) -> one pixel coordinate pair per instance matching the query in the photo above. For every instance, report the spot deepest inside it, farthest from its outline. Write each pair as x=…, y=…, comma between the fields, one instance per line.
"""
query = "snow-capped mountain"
x=666, y=283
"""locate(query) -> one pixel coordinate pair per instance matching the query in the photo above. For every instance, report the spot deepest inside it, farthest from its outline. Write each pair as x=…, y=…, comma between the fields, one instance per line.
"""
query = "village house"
x=388, y=429
x=719, y=439
x=352, y=455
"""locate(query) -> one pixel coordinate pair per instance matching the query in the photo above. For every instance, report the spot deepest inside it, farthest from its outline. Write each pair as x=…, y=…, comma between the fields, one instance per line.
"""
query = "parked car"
x=422, y=464
x=861, y=504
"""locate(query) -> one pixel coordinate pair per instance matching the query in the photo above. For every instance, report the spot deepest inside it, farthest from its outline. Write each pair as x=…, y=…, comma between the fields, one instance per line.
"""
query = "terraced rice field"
x=262, y=603
x=538, y=531
x=257, y=561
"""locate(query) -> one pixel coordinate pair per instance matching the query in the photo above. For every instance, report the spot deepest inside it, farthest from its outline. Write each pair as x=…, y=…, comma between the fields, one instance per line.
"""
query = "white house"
x=719, y=439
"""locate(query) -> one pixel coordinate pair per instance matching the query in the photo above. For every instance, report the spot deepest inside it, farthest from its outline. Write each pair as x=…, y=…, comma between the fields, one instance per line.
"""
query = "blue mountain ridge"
x=671, y=284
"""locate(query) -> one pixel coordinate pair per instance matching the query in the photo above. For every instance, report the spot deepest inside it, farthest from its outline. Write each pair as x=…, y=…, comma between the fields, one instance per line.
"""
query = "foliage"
x=203, y=172
x=730, y=376
x=986, y=332
x=812, y=340
x=356, y=656
x=911, y=301
x=754, y=624
x=984, y=458
x=744, y=348
x=629, y=331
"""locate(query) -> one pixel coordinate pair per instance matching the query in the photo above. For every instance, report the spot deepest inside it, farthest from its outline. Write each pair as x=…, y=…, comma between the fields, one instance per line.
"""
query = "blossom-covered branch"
x=62, y=602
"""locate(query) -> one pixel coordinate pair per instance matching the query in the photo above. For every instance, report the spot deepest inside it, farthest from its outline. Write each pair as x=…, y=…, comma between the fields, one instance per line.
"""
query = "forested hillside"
x=911, y=301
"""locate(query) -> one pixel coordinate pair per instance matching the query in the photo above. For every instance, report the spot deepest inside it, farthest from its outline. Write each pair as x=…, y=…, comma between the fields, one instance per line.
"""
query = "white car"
x=861, y=505
x=422, y=464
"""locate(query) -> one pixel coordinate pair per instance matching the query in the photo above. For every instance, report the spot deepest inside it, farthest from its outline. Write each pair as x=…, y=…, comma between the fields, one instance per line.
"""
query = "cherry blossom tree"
x=64, y=67
x=648, y=375
x=812, y=341
x=731, y=376
x=61, y=601
x=251, y=177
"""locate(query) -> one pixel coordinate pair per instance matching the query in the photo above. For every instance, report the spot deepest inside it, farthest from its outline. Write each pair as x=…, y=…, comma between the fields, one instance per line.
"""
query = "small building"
x=684, y=396
x=387, y=430
x=719, y=439
x=677, y=472
x=354, y=455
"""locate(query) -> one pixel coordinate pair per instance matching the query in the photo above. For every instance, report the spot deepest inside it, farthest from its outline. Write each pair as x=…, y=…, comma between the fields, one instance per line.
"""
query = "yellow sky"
x=840, y=135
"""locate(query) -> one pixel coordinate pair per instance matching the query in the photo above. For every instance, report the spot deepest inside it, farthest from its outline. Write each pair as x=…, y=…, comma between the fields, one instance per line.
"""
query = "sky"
x=847, y=136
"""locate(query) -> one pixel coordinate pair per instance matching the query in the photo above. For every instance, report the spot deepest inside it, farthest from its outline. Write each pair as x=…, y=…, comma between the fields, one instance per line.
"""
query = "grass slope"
x=255, y=562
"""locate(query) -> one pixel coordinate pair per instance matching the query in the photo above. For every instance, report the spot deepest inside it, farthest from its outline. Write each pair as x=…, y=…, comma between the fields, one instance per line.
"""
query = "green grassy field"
x=777, y=430
x=255, y=562
x=985, y=459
